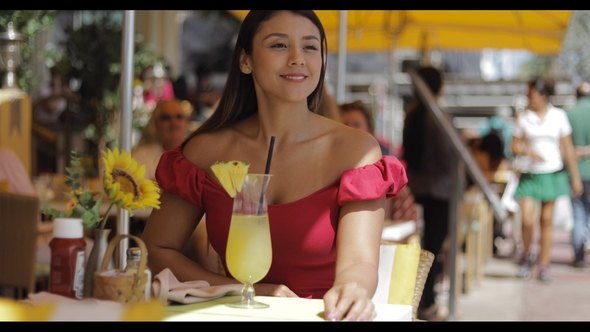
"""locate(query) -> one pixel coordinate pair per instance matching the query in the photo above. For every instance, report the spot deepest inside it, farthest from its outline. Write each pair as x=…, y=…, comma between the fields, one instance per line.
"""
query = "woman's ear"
x=245, y=63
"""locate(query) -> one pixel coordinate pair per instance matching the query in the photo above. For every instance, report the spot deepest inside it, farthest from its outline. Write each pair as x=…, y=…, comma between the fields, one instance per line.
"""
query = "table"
x=281, y=309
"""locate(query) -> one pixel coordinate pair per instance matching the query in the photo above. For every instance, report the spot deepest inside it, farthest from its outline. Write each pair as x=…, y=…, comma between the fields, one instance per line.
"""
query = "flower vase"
x=94, y=263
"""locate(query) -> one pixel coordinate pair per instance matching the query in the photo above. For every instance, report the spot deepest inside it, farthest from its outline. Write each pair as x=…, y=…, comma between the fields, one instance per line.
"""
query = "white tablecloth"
x=281, y=309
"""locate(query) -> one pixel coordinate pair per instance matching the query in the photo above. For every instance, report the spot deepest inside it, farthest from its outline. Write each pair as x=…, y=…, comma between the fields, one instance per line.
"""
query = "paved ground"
x=500, y=296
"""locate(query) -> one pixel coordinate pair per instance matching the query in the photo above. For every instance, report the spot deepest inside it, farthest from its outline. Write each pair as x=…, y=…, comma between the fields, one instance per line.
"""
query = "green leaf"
x=95, y=212
x=78, y=211
x=96, y=208
x=89, y=220
x=86, y=199
x=71, y=170
x=53, y=212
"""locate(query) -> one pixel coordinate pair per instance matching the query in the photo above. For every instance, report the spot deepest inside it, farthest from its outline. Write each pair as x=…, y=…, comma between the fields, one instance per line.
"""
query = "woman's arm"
x=520, y=147
x=358, y=240
x=517, y=146
x=567, y=147
x=167, y=231
x=582, y=151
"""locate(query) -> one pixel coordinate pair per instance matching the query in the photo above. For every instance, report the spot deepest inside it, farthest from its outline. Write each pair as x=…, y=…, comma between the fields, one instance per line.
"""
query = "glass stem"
x=248, y=293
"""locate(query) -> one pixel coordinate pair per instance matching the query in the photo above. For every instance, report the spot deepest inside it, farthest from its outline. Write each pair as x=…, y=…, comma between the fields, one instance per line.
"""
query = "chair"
x=394, y=261
x=18, y=242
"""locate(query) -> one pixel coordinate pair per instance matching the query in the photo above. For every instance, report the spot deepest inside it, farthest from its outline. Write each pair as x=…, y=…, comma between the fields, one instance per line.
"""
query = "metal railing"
x=462, y=159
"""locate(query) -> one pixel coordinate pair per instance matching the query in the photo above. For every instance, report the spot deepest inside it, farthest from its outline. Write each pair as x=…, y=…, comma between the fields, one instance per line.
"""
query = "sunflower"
x=124, y=182
x=70, y=206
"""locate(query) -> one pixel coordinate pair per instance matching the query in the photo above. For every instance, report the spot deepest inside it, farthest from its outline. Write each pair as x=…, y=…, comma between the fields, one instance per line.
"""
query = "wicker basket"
x=112, y=285
x=426, y=259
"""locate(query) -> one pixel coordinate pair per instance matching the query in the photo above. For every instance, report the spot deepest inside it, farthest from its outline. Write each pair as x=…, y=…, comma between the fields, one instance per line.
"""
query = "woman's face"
x=286, y=59
x=536, y=100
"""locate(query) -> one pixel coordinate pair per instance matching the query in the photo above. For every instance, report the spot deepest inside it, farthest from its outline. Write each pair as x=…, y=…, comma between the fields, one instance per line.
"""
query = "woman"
x=166, y=129
x=356, y=115
x=542, y=134
x=327, y=195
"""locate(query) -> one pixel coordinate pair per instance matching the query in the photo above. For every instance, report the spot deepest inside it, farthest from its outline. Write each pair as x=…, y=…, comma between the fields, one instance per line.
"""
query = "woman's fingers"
x=349, y=303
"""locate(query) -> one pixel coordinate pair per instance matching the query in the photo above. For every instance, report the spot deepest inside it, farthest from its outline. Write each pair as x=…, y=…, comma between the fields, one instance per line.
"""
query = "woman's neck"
x=541, y=111
x=290, y=121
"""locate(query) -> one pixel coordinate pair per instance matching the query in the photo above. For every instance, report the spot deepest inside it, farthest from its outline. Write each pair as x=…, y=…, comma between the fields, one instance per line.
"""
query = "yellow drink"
x=249, y=251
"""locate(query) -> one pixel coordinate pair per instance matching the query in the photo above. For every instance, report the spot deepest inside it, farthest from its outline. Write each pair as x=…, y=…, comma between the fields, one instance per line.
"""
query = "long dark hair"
x=238, y=99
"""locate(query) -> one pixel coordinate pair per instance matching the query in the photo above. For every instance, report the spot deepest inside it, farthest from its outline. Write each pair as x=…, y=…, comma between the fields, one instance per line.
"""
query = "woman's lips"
x=294, y=77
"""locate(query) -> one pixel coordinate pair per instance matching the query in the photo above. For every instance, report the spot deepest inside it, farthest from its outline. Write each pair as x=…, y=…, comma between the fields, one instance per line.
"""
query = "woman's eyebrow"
x=311, y=37
x=284, y=35
x=276, y=34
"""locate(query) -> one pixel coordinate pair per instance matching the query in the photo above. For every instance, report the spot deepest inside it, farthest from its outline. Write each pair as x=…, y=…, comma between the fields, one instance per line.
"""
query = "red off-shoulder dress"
x=303, y=232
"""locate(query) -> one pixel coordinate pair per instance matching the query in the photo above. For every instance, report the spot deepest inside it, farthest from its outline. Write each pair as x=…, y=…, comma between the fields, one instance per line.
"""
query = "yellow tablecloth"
x=281, y=309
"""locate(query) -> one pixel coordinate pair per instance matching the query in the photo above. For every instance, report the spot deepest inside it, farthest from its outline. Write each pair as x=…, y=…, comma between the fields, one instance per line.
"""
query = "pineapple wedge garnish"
x=223, y=169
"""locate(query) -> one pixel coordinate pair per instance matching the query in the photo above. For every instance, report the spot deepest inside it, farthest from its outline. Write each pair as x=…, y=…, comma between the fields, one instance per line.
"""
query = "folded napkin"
x=398, y=269
x=168, y=289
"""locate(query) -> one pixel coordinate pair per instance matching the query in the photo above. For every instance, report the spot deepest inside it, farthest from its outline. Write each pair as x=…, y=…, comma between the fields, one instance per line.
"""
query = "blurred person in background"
x=356, y=115
x=157, y=85
x=15, y=179
x=13, y=175
x=579, y=118
x=50, y=101
x=500, y=124
x=427, y=155
x=166, y=129
x=205, y=96
x=542, y=134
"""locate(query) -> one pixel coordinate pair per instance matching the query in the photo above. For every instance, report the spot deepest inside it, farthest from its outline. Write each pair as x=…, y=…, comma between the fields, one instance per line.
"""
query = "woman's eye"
x=311, y=48
x=279, y=45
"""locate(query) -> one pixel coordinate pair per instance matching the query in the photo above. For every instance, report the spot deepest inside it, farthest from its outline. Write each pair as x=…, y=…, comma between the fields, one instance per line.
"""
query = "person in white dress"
x=542, y=134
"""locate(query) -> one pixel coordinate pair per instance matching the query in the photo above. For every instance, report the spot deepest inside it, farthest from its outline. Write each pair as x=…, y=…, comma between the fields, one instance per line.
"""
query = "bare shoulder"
x=354, y=147
x=204, y=149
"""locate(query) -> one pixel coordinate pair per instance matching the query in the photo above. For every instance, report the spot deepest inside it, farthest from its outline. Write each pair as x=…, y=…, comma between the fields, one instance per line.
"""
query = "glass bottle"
x=133, y=259
x=66, y=275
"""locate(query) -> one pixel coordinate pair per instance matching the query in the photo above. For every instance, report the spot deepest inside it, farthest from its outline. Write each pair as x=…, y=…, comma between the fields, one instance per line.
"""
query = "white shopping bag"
x=507, y=201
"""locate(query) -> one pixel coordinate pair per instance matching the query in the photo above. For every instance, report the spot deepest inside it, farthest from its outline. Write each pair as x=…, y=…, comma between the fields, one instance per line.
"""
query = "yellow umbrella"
x=539, y=31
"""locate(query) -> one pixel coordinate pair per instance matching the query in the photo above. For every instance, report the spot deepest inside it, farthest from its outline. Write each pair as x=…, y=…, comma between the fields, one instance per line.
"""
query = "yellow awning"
x=539, y=31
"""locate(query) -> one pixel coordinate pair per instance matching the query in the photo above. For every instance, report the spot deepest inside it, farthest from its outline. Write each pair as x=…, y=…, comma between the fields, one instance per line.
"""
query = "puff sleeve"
x=385, y=177
x=179, y=176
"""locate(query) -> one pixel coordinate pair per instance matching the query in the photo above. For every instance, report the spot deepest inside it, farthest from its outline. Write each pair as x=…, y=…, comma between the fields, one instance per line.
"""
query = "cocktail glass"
x=249, y=250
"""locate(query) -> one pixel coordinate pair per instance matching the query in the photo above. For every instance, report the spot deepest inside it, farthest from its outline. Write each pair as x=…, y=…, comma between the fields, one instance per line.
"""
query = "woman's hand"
x=273, y=290
x=577, y=188
x=535, y=156
x=349, y=302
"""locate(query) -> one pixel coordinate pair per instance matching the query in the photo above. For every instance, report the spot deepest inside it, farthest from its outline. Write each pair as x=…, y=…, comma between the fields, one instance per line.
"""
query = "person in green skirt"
x=542, y=135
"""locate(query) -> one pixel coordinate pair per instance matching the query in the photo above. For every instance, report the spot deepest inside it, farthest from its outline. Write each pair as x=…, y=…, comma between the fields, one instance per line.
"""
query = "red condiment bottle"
x=66, y=276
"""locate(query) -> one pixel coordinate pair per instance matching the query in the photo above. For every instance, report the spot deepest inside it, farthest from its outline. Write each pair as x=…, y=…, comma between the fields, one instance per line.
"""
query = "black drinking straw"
x=266, y=171
x=269, y=158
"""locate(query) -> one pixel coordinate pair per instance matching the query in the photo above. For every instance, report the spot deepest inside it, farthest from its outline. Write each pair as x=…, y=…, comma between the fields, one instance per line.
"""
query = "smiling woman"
x=274, y=48
x=326, y=212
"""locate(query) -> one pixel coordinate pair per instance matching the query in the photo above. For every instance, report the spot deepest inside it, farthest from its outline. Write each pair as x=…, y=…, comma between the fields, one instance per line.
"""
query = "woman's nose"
x=296, y=57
